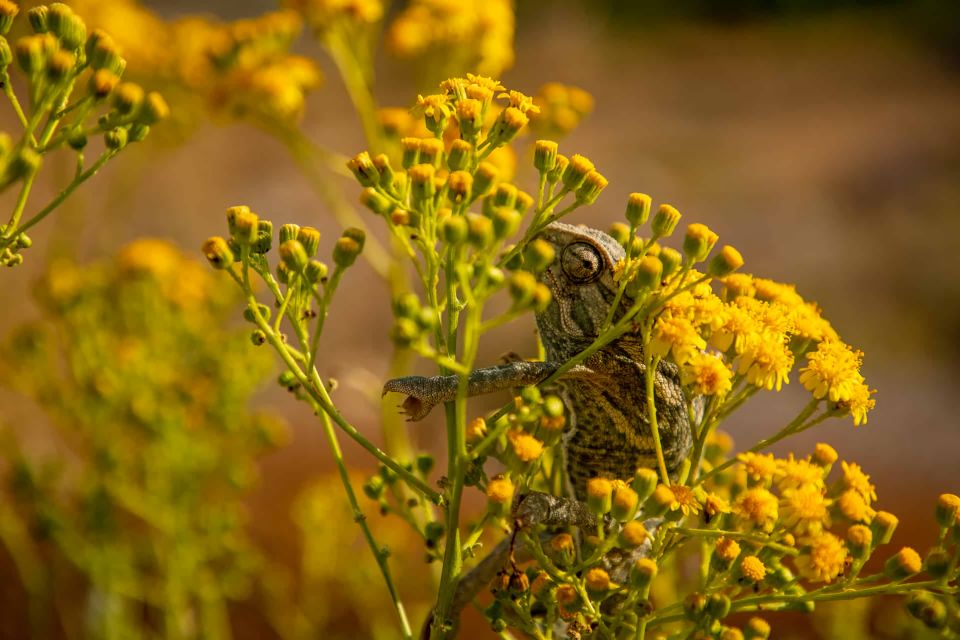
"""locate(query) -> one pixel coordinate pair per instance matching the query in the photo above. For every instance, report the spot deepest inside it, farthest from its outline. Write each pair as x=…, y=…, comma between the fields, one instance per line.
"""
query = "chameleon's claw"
x=415, y=406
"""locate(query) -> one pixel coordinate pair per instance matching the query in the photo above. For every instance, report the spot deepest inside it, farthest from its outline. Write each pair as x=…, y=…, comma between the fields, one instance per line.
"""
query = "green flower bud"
x=424, y=463
x=937, y=563
x=642, y=574
x=665, y=221
x=561, y=549
x=373, y=487
x=264, y=237
x=541, y=297
x=539, y=255
x=39, y=18
x=483, y=179
x=288, y=231
x=294, y=256
x=6, y=53
x=406, y=306
x=422, y=187
x=599, y=495
x=345, y=251
x=8, y=11
x=405, y=332
x=102, y=83
x=310, y=239
x=948, y=506
x=756, y=629
x=523, y=203
x=284, y=274
x=505, y=222
x=263, y=309
x=30, y=53
x=545, y=155
x=644, y=482
x=411, y=152
x=217, y=252
x=670, y=259
x=374, y=201
x=258, y=337
x=431, y=152
x=363, y=170
x=116, y=138
x=632, y=534
x=505, y=195
x=576, y=172
x=469, y=117
x=388, y=177
x=903, y=564
x=883, y=525
x=625, y=504
x=61, y=63
x=718, y=606
x=246, y=225
x=621, y=233
x=357, y=235
x=459, y=186
x=77, y=139
x=155, y=109
x=589, y=191
x=859, y=541
x=316, y=271
x=127, y=98
x=459, y=157
x=67, y=26
x=558, y=169
x=725, y=262
x=26, y=163
x=698, y=242
x=103, y=53
x=649, y=273
x=638, y=209
x=522, y=288
x=24, y=241
x=453, y=229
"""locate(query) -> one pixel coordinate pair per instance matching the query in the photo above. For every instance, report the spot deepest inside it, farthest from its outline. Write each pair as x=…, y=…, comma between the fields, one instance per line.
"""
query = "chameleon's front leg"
x=424, y=393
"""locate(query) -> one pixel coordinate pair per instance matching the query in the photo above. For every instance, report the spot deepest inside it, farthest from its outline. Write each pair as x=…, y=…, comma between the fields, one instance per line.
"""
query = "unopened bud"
x=288, y=231
x=345, y=252
x=725, y=262
x=665, y=221
x=599, y=495
x=294, y=256
x=362, y=167
x=310, y=239
x=116, y=138
x=411, y=152
x=545, y=155
x=454, y=229
x=523, y=285
x=903, y=564
x=67, y=26
x=103, y=82
x=539, y=255
x=483, y=179
x=217, y=252
x=376, y=202
x=625, y=504
x=590, y=190
x=948, y=505
x=459, y=186
x=458, y=159
x=575, y=174
x=638, y=209
x=698, y=242
x=883, y=525
x=8, y=11
x=155, y=109
x=128, y=97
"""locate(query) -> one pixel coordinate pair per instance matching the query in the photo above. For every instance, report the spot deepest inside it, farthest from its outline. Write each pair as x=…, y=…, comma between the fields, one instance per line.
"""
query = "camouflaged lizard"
x=608, y=431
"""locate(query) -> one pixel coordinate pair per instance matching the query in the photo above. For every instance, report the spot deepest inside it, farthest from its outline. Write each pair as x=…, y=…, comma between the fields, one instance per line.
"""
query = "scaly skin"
x=608, y=432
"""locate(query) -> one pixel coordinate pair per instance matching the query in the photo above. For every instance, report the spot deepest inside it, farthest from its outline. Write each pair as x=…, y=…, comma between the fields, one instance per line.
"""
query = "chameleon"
x=608, y=431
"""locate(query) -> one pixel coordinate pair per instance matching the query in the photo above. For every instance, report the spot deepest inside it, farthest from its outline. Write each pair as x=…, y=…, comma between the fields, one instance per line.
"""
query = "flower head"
x=832, y=371
x=756, y=508
x=824, y=558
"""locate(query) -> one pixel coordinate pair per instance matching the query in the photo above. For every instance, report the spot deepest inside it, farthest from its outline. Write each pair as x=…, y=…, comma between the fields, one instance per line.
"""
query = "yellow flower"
x=326, y=14
x=860, y=403
x=760, y=467
x=832, y=371
x=738, y=284
x=752, y=569
x=766, y=360
x=727, y=549
x=714, y=505
x=526, y=447
x=810, y=325
x=793, y=473
x=676, y=335
x=771, y=291
x=500, y=490
x=476, y=430
x=824, y=558
x=684, y=499
x=756, y=508
x=562, y=107
x=854, y=478
x=598, y=580
x=804, y=510
x=738, y=325
x=854, y=506
x=707, y=374
x=824, y=455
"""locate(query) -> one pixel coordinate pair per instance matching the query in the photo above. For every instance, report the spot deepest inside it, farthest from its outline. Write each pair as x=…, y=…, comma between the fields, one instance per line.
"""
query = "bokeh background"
x=822, y=139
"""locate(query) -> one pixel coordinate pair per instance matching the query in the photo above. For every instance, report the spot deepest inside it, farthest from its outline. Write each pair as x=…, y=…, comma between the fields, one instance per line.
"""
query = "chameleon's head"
x=582, y=284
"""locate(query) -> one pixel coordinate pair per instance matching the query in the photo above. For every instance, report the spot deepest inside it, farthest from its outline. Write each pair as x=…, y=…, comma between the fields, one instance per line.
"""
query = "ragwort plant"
x=73, y=83
x=760, y=533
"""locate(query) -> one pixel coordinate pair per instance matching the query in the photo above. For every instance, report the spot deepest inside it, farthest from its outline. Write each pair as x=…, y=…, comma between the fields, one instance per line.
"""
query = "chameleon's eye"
x=581, y=262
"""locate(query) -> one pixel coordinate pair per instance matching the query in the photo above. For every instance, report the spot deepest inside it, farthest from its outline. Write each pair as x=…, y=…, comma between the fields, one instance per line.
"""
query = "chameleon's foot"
x=536, y=508
x=419, y=400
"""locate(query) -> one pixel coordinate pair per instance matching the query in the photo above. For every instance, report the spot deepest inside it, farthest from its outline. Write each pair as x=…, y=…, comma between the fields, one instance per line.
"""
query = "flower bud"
x=937, y=563
x=431, y=152
x=476, y=430
x=483, y=179
x=288, y=231
x=245, y=225
x=522, y=287
x=458, y=159
x=217, y=252
x=575, y=174
x=647, y=277
x=454, y=229
x=39, y=18
x=116, y=138
x=644, y=483
x=883, y=525
x=524, y=202
x=363, y=170
x=25, y=163
x=155, y=109
x=538, y=255
x=752, y=569
x=405, y=332
x=948, y=505
x=480, y=230
x=665, y=221
x=632, y=535
x=597, y=581
x=621, y=233
x=638, y=209
x=411, y=152
x=599, y=495
x=264, y=237
x=128, y=97
x=724, y=554
x=459, y=186
x=504, y=196
x=61, y=63
x=258, y=337
x=30, y=53
x=903, y=564
x=102, y=83
x=671, y=259
x=725, y=262
x=558, y=169
x=590, y=190
x=561, y=549
x=345, y=251
x=642, y=574
x=625, y=504
x=310, y=239
x=469, y=117
x=357, y=235
x=541, y=297
x=698, y=242
x=756, y=629
x=6, y=53
x=67, y=26
x=373, y=487
x=294, y=256
x=545, y=155
x=8, y=11
x=860, y=541
x=824, y=455
x=421, y=183
x=718, y=606
x=103, y=53
x=500, y=491
x=376, y=202
x=505, y=222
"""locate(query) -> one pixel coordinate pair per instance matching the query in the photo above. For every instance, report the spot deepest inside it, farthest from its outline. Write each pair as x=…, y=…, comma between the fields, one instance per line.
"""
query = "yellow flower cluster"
x=562, y=108
x=451, y=36
x=755, y=330
x=790, y=500
x=321, y=15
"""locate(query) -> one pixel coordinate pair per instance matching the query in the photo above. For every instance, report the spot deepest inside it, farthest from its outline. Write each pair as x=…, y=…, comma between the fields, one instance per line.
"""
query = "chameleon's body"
x=608, y=430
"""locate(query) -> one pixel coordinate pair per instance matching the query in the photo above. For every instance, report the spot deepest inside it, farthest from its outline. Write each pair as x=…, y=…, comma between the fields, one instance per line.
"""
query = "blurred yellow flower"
x=823, y=559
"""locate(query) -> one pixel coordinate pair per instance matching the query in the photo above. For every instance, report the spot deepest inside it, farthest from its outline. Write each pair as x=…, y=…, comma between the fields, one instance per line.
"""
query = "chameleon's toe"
x=415, y=406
